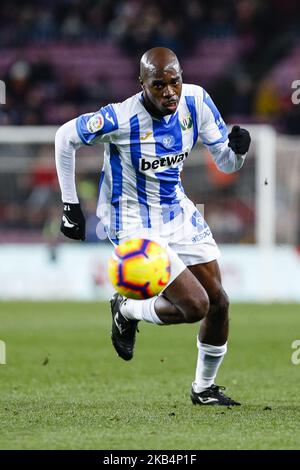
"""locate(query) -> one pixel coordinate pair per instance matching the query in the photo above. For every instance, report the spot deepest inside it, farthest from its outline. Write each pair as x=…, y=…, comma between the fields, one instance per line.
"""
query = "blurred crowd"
x=39, y=93
x=30, y=199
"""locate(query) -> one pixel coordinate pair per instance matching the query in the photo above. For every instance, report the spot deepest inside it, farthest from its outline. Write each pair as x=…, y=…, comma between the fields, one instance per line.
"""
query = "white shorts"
x=187, y=238
x=182, y=255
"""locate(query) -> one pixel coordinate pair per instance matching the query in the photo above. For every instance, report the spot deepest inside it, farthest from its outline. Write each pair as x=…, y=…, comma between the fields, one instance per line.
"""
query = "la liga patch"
x=95, y=123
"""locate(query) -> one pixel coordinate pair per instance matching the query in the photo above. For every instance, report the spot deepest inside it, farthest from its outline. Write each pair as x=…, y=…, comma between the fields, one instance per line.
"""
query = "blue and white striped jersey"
x=144, y=156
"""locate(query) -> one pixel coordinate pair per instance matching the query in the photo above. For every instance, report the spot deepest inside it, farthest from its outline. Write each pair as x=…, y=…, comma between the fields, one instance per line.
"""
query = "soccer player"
x=147, y=138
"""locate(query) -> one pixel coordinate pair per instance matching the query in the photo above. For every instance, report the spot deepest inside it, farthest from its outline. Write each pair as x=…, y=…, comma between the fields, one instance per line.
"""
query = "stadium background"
x=63, y=58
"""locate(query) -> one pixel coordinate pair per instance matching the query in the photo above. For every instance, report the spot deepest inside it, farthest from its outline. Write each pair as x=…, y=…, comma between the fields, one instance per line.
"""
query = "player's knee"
x=196, y=308
x=223, y=303
x=218, y=312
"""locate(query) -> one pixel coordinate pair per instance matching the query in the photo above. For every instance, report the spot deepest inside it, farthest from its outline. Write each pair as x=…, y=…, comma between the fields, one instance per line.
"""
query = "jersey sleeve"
x=101, y=126
x=214, y=135
x=213, y=130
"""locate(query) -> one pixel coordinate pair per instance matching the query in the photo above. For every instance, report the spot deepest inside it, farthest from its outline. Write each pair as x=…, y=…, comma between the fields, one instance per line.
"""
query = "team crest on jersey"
x=186, y=122
x=168, y=141
x=95, y=123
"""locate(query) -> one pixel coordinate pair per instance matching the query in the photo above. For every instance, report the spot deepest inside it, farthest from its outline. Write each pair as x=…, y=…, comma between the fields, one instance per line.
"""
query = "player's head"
x=161, y=80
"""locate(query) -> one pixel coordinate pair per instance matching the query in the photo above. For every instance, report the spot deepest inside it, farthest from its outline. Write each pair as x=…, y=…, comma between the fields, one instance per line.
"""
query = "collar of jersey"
x=163, y=119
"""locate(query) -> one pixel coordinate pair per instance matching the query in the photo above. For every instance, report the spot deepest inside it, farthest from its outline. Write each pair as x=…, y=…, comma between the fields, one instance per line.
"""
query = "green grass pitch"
x=63, y=386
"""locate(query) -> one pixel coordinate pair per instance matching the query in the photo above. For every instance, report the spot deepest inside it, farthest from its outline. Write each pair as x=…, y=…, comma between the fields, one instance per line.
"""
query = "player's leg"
x=214, y=328
x=212, y=339
x=184, y=301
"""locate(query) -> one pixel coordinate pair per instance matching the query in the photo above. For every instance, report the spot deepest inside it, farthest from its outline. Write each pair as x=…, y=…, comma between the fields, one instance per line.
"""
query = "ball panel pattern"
x=139, y=268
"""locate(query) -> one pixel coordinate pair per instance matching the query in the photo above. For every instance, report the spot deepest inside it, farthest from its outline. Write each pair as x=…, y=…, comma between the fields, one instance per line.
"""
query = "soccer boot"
x=123, y=330
x=212, y=396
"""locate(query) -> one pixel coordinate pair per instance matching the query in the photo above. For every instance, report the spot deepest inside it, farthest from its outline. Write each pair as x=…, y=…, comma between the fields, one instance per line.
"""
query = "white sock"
x=140, y=310
x=208, y=363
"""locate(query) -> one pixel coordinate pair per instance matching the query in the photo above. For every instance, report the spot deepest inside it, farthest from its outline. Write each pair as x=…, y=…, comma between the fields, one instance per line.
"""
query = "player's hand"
x=73, y=222
x=239, y=140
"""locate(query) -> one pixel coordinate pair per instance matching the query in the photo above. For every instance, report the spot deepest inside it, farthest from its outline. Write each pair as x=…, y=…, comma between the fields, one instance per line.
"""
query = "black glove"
x=239, y=140
x=73, y=222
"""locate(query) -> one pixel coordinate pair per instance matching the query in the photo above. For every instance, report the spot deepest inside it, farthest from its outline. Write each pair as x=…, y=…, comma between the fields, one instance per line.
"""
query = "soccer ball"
x=139, y=268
